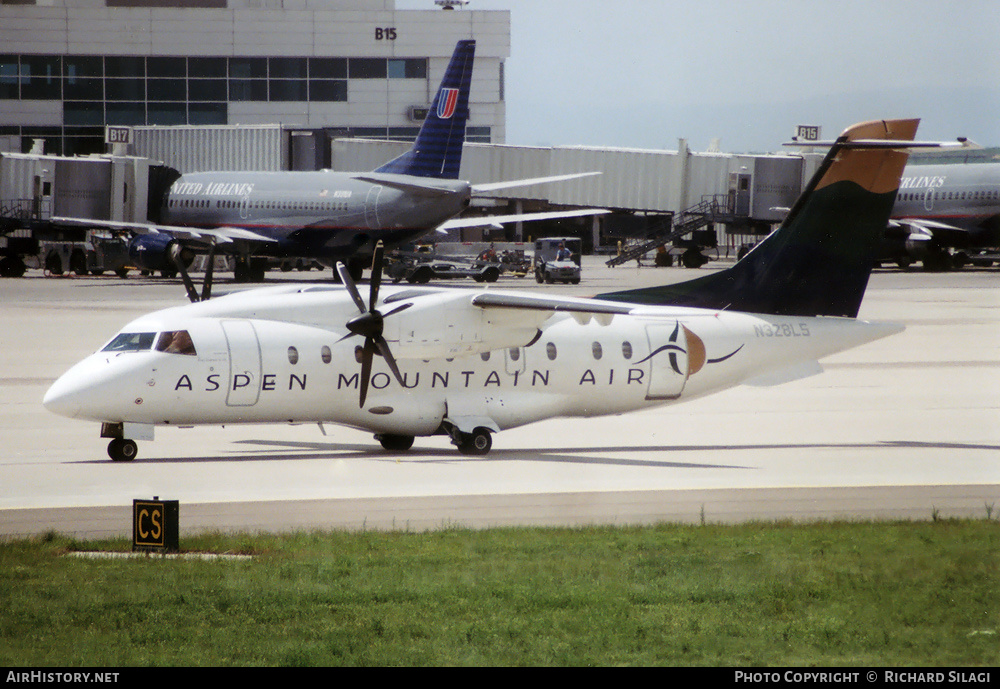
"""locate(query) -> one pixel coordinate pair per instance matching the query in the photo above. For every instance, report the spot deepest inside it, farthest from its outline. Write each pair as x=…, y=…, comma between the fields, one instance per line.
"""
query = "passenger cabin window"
x=550, y=350
x=293, y=355
x=627, y=349
x=130, y=342
x=596, y=350
x=326, y=355
x=176, y=342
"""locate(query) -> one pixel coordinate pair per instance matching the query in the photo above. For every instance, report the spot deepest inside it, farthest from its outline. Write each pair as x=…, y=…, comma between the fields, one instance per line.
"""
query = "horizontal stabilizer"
x=786, y=375
x=411, y=185
x=493, y=220
x=495, y=186
x=901, y=144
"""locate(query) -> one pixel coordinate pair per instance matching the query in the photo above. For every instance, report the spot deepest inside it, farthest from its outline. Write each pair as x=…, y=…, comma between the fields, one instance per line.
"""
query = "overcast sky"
x=643, y=73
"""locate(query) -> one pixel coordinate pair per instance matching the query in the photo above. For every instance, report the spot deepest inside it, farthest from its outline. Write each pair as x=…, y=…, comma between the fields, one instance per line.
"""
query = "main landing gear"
x=395, y=443
x=477, y=443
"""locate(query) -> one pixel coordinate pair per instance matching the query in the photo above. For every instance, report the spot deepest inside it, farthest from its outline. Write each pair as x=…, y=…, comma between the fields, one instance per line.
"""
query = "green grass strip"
x=858, y=594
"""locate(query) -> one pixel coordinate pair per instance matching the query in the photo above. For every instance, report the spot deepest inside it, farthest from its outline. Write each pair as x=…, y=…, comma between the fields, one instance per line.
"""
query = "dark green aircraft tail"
x=817, y=263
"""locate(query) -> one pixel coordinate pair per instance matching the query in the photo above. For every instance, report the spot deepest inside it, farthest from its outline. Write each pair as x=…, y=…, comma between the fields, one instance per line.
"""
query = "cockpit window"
x=175, y=342
x=130, y=342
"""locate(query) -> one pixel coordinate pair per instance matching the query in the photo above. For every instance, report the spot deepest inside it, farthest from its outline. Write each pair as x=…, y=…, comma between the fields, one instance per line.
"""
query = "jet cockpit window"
x=176, y=342
x=130, y=342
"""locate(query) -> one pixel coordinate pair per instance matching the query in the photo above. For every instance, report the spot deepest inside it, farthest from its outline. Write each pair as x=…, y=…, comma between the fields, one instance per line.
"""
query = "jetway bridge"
x=680, y=197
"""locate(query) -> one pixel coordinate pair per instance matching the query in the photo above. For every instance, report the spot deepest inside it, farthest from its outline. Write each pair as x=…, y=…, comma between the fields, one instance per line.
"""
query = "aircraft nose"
x=81, y=392
x=64, y=397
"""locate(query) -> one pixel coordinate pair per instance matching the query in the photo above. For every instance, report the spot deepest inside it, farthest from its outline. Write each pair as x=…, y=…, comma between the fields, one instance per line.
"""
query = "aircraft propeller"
x=370, y=322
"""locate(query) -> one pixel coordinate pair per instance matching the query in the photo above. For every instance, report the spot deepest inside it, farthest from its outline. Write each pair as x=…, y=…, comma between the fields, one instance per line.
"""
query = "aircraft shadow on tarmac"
x=293, y=450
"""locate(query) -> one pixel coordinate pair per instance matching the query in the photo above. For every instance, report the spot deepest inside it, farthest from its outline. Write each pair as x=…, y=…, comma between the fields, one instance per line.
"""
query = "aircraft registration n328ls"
x=407, y=362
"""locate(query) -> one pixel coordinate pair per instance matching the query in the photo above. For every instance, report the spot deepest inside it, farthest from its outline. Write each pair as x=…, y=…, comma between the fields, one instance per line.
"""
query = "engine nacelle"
x=157, y=252
x=448, y=325
x=919, y=242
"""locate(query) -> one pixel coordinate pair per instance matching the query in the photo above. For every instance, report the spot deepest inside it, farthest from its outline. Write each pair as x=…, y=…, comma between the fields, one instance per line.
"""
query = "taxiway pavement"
x=904, y=428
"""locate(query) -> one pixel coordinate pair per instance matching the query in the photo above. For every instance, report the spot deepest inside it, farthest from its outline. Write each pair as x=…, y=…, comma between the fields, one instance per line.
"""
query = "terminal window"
x=100, y=84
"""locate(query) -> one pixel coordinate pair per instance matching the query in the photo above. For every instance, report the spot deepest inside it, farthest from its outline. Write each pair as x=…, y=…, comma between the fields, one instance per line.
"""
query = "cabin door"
x=668, y=360
x=371, y=207
x=929, y=196
x=244, y=363
x=245, y=207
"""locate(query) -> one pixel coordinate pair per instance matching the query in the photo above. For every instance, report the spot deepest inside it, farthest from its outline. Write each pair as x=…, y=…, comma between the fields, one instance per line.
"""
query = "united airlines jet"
x=325, y=215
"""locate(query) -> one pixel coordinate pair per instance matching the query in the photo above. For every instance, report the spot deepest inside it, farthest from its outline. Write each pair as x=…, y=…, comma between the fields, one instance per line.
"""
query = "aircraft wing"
x=489, y=300
x=497, y=220
x=925, y=224
x=922, y=228
x=218, y=235
x=434, y=323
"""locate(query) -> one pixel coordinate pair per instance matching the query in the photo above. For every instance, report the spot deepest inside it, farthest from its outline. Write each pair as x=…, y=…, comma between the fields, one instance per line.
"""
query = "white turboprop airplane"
x=470, y=363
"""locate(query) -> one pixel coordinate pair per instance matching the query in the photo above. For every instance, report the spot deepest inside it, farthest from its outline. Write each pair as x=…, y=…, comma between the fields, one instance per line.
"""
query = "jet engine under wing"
x=497, y=220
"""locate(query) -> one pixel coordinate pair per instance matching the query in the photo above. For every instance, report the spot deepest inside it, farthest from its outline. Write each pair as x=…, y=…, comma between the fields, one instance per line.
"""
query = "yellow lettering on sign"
x=149, y=523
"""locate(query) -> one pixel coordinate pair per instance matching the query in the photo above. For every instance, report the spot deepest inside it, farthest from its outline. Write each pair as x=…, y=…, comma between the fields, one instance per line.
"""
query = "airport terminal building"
x=323, y=69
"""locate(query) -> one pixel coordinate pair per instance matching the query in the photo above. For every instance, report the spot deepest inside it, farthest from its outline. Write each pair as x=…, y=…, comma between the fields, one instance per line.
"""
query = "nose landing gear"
x=122, y=450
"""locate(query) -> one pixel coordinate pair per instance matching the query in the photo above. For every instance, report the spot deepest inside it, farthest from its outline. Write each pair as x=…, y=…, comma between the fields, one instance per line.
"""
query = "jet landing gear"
x=395, y=443
x=478, y=442
x=122, y=450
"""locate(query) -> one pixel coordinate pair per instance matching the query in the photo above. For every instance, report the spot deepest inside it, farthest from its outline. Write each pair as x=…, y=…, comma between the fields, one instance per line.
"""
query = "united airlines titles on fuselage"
x=213, y=189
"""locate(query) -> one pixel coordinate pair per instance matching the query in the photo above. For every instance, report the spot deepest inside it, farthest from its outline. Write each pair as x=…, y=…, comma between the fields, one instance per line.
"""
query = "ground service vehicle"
x=549, y=267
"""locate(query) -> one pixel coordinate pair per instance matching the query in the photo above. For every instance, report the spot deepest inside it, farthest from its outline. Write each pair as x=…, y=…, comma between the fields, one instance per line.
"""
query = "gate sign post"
x=155, y=525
